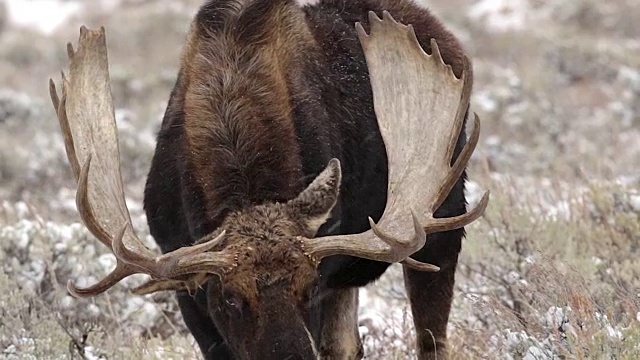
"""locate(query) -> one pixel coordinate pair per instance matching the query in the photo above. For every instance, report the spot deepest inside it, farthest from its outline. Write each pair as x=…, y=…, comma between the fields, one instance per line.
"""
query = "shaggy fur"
x=267, y=93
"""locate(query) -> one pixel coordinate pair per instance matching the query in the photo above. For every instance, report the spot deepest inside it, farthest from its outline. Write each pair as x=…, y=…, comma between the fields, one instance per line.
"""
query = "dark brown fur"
x=267, y=93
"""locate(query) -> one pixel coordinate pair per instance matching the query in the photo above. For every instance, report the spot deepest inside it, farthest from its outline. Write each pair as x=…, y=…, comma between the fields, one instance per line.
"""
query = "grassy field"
x=552, y=271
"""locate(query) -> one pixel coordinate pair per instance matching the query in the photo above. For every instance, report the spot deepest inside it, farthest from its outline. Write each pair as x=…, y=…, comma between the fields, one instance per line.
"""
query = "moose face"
x=262, y=306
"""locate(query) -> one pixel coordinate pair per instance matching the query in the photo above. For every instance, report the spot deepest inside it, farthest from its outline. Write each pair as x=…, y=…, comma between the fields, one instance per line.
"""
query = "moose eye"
x=313, y=292
x=232, y=302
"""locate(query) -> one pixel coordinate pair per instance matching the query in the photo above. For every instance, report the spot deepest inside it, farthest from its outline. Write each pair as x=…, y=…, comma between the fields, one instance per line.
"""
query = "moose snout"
x=290, y=350
x=289, y=356
x=290, y=344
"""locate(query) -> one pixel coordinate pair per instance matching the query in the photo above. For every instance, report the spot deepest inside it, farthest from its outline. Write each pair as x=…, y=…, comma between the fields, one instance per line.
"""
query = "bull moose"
x=303, y=150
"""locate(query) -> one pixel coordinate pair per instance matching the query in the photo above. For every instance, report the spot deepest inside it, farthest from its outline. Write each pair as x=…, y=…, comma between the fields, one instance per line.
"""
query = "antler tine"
x=59, y=106
x=465, y=155
x=191, y=285
x=409, y=85
x=114, y=277
x=87, y=120
x=121, y=271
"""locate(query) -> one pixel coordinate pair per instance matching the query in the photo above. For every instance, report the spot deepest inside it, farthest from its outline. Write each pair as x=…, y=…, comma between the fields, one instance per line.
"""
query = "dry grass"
x=553, y=276
x=550, y=272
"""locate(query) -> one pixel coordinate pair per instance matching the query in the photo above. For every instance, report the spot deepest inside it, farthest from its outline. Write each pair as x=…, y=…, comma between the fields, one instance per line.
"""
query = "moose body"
x=268, y=92
x=303, y=150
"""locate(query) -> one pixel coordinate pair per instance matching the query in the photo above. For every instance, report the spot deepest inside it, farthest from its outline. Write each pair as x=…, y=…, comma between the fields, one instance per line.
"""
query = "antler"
x=420, y=106
x=86, y=115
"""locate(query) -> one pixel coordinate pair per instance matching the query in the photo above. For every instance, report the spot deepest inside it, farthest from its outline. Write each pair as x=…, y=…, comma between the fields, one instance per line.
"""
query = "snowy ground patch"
x=43, y=15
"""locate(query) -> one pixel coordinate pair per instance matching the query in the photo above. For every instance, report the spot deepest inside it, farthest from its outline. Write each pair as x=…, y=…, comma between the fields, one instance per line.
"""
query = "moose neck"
x=238, y=123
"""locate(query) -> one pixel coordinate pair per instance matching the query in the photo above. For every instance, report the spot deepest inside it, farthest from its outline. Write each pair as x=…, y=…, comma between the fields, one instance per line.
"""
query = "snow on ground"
x=501, y=15
x=43, y=15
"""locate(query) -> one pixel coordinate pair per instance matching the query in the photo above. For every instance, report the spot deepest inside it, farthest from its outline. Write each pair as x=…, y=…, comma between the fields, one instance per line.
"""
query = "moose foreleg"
x=339, y=338
x=431, y=294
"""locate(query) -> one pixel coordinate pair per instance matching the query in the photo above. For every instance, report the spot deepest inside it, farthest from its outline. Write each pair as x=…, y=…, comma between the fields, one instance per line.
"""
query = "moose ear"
x=314, y=204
